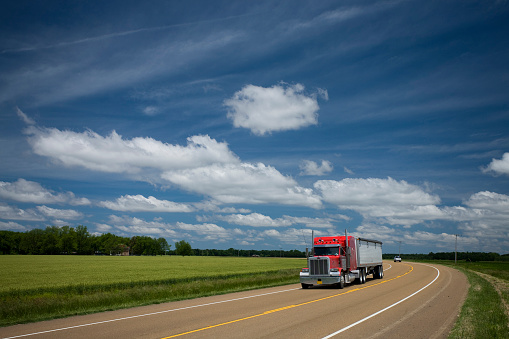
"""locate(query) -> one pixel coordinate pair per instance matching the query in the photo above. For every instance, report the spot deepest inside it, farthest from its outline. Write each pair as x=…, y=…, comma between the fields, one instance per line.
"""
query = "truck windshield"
x=327, y=250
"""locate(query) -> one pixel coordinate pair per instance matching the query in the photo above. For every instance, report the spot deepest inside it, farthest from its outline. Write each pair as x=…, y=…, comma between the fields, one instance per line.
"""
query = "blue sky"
x=249, y=124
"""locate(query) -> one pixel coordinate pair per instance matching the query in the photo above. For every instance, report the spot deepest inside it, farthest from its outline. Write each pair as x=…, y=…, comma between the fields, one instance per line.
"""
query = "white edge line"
x=385, y=309
x=147, y=314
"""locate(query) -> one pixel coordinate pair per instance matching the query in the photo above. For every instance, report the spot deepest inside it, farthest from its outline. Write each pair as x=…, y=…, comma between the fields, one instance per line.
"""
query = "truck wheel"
x=342, y=282
x=376, y=273
x=362, y=276
x=304, y=286
x=381, y=271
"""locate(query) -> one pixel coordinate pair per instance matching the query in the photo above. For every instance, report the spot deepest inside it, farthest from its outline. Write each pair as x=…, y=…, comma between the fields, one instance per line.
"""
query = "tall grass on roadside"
x=482, y=315
x=28, y=305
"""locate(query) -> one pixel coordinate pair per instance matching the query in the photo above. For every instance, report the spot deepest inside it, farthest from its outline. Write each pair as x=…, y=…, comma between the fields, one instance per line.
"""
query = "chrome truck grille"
x=319, y=266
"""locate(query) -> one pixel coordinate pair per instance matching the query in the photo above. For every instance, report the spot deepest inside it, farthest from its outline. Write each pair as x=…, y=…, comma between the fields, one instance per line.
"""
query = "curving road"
x=411, y=301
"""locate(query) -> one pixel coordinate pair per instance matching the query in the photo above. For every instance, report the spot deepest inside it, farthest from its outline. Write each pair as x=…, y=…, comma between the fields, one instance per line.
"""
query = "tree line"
x=70, y=240
x=232, y=252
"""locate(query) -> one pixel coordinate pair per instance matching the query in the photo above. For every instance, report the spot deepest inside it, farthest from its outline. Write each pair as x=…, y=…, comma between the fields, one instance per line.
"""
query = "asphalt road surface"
x=411, y=301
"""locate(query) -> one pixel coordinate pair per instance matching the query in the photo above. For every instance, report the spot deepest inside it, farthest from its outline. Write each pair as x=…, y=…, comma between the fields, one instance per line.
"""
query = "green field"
x=50, y=272
x=34, y=288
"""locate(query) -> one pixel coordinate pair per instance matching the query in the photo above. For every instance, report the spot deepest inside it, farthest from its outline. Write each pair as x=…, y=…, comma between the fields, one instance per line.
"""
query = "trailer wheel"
x=376, y=272
x=304, y=286
x=381, y=271
x=362, y=273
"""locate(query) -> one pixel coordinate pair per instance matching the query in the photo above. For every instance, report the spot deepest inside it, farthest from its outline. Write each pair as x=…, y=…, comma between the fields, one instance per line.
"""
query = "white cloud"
x=138, y=203
x=14, y=213
x=29, y=191
x=139, y=226
x=59, y=213
x=494, y=202
x=312, y=223
x=260, y=220
x=277, y=108
x=293, y=236
x=499, y=166
x=396, y=202
x=12, y=226
x=103, y=228
x=115, y=154
x=374, y=231
x=213, y=206
x=244, y=183
x=254, y=220
x=206, y=231
x=199, y=232
x=311, y=168
x=204, y=166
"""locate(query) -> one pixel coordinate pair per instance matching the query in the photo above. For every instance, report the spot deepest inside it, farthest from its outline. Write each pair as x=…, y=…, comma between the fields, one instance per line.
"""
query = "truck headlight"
x=305, y=270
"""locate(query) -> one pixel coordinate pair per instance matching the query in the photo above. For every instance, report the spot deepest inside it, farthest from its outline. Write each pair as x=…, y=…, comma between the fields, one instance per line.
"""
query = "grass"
x=485, y=312
x=34, y=288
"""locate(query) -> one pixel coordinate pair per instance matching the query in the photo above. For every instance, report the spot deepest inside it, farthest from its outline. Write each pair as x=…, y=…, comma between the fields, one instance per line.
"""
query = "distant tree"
x=183, y=248
x=10, y=242
x=83, y=240
x=163, y=246
x=67, y=240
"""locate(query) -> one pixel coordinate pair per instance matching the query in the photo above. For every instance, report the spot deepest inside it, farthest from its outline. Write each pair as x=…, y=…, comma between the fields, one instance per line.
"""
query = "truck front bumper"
x=320, y=280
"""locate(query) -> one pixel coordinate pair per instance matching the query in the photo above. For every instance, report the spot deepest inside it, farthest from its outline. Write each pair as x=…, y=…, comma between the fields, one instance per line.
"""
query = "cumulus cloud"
x=12, y=226
x=14, y=213
x=207, y=231
x=199, y=232
x=277, y=108
x=29, y=191
x=139, y=203
x=133, y=225
x=254, y=220
x=487, y=210
x=398, y=202
x=312, y=223
x=292, y=236
x=204, y=166
x=498, y=166
x=244, y=183
x=59, y=213
x=115, y=154
x=490, y=201
x=308, y=167
x=260, y=220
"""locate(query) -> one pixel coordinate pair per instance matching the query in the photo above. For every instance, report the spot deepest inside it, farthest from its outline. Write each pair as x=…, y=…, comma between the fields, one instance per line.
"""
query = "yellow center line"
x=290, y=306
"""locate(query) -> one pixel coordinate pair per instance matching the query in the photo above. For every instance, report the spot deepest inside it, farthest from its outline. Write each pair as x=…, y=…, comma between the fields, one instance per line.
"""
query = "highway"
x=412, y=301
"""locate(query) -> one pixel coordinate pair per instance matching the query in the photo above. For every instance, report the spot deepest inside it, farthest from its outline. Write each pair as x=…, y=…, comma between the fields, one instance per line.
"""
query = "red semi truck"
x=342, y=259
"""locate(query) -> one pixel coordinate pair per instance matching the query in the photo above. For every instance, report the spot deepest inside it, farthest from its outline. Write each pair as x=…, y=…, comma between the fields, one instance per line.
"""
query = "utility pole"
x=399, y=252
